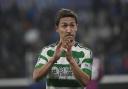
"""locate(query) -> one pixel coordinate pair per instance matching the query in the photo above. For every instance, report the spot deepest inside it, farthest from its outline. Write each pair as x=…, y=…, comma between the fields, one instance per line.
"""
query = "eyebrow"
x=67, y=23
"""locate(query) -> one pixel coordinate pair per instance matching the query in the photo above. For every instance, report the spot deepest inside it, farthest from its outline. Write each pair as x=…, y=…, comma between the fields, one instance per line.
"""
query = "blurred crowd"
x=28, y=25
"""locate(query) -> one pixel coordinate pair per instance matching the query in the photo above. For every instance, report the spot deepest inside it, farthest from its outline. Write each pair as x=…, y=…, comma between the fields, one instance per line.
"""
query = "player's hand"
x=58, y=51
x=68, y=43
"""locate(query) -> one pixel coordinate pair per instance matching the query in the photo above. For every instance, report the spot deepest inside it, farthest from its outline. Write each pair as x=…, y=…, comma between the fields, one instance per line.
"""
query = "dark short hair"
x=65, y=13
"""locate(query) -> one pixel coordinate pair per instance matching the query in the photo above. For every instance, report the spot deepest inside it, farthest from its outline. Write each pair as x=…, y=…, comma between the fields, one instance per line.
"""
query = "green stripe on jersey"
x=88, y=60
x=75, y=54
x=43, y=57
x=61, y=65
x=39, y=66
x=78, y=54
x=63, y=83
x=87, y=71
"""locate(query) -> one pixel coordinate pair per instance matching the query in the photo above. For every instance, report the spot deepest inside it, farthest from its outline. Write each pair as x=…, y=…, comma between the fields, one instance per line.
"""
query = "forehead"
x=67, y=20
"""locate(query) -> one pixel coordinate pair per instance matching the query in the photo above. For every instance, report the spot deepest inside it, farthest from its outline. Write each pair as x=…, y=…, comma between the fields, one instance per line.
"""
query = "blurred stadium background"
x=28, y=25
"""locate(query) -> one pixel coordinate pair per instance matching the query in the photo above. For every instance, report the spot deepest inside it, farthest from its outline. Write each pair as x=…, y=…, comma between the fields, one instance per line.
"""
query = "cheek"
x=75, y=30
x=61, y=32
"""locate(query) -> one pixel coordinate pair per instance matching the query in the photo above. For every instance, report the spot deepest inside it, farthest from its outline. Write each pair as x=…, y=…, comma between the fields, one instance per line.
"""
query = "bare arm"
x=78, y=73
x=81, y=76
x=43, y=71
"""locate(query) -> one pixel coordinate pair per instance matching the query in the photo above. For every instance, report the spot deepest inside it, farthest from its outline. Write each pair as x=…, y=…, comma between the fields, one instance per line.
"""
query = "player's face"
x=67, y=27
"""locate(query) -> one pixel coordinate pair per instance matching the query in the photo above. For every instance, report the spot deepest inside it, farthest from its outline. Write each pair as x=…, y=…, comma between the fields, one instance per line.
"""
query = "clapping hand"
x=68, y=43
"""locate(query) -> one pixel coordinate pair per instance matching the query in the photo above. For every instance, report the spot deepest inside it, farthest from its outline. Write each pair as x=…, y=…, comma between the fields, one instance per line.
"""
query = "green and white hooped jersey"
x=61, y=76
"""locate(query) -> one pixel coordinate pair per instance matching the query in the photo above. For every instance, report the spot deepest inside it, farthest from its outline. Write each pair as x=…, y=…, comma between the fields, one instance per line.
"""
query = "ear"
x=76, y=27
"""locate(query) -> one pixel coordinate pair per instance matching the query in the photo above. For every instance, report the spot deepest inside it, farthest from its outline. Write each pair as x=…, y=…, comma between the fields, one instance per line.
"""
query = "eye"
x=64, y=25
x=72, y=25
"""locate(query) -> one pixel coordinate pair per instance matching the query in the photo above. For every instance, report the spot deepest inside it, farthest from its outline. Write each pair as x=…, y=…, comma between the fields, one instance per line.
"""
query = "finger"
x=68, y=37
x=59, y=45
x=64, y=45
x=64, y=48
x=68, y=46
x=69, y=42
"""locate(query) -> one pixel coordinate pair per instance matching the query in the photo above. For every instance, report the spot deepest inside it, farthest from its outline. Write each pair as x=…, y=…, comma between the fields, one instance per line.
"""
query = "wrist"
x=70, y=60
x=55, y=58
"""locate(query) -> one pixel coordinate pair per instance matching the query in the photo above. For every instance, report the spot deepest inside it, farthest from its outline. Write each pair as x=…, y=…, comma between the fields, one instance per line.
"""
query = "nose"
x=68, y=29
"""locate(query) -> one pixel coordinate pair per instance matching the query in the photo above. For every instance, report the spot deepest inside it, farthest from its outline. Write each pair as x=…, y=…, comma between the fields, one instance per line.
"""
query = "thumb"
x=59, y=45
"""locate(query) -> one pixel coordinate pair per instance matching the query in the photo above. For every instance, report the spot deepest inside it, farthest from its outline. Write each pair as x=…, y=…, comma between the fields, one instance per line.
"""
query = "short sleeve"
x=86, y=65
x=42, y=58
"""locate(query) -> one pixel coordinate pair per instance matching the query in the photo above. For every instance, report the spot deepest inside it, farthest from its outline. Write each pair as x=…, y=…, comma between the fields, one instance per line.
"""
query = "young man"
x=66, y=64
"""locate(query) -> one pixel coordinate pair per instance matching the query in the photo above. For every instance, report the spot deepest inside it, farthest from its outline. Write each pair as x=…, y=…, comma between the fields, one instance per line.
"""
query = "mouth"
x=69, y=35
